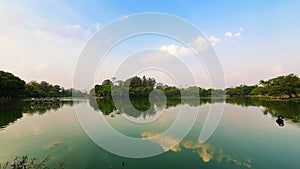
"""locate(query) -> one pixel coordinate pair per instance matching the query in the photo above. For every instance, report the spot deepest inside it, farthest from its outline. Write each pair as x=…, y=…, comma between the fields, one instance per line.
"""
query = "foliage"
x=136, y=81
x=136, y=86
x=242, y=90
x=103, y=90
x=10, y=85
x=294, y=99
x=26, y=163
x=141, y=87
x=280, y=86
x=170, y=91
x=44, y=89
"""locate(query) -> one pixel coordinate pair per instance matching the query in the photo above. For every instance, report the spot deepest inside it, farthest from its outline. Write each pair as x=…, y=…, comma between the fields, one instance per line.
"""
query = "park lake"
x=246, y=137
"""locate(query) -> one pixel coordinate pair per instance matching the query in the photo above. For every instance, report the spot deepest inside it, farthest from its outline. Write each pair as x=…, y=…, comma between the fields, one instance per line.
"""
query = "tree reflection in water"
x=13, y=109
x=286, y=109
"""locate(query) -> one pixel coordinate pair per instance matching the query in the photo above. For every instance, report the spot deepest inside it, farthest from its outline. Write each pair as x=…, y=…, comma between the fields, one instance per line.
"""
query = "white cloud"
x=199, y=44
x=238, y=34
x=228, y=34
x=175, y=50
x=213, y=40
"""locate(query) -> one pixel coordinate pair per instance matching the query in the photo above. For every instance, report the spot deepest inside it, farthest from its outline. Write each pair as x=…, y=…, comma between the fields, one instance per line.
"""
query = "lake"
x=247, y=136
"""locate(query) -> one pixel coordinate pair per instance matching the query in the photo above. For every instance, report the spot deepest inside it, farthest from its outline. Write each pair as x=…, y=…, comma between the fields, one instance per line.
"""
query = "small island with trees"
x=282, y=88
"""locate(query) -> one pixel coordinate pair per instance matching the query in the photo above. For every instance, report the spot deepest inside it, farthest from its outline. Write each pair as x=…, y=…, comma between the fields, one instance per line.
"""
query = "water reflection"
x=289, y=110
x=286, y=109
x=165, y=142
x=13, y=109
x=10, y=111
x=241, y=144
x=207, y=152
x=144, y=107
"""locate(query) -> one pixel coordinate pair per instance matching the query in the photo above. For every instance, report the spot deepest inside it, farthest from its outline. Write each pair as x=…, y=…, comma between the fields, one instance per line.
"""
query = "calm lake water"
x=247, y=136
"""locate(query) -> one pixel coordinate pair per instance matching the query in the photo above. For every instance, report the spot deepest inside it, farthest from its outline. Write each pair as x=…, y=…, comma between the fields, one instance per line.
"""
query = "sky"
x=254, y=39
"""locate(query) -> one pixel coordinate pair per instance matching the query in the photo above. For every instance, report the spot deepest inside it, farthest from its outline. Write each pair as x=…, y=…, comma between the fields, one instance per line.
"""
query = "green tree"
x=259, y=91
x=103, y=90
x=10, y=85
x=242, y=90
x=282, y=85
x=107, y=82
x=134, y=82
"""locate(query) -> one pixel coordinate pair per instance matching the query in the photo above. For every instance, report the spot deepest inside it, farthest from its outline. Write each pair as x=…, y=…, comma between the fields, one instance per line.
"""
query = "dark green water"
x=247, y=136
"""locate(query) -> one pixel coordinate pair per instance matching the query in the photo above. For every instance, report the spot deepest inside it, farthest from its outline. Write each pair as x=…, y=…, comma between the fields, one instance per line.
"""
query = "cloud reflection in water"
x=206, y=151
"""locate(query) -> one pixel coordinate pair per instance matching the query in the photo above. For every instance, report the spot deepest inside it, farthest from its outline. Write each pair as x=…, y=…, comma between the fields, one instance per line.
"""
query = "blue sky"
x=255, y=39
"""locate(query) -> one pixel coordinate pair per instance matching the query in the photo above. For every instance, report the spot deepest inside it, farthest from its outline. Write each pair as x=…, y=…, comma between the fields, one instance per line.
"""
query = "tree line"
x=142, y=87
x=13, y=86
x=282, y=86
